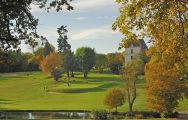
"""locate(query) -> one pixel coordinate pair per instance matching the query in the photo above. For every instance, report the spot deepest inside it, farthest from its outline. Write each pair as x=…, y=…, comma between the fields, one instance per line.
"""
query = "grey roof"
x=141, y=43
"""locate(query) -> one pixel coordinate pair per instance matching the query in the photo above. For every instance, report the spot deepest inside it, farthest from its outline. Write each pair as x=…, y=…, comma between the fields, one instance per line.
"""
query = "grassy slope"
x=24, y=91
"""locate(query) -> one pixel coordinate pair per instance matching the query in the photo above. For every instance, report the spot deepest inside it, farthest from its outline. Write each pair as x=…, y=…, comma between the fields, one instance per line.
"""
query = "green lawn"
x=25, y=91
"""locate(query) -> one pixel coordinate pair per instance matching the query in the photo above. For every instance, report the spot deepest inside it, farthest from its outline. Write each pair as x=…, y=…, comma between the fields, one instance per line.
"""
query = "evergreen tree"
x=48, y=48
x=62, y=40
x=64, y=48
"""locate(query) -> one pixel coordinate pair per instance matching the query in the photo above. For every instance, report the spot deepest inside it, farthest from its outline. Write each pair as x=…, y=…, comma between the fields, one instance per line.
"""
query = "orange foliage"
x=38, y=58
x=50, y=62
x=164, y=87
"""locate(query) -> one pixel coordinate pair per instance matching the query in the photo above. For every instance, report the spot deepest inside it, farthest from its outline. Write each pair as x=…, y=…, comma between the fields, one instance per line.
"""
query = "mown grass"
x=37, y=91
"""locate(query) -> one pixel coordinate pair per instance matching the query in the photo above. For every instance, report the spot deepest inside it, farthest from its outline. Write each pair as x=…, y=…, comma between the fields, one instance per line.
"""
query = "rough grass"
x=26, y=91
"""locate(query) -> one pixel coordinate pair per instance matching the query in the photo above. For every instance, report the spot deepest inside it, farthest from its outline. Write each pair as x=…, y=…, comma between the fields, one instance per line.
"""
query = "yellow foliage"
x=114, y=98
x=164, y=87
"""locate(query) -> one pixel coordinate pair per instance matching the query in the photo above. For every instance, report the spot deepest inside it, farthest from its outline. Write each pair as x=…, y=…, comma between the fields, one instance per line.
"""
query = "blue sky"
x=89, y=24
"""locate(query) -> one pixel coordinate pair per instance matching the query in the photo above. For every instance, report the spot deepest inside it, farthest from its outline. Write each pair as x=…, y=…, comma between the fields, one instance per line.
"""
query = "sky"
x=89, y=24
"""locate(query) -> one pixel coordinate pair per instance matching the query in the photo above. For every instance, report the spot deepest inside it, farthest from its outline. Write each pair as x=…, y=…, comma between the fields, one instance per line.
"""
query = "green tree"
x=130, y=74
x=18, y=24
x=114, y=98
x=13, y=61
x=40, y=51
x=64, y=48
x=57, y=73
x=62, y=40
x=48, y=48
x=86, y=59
x=101, y=62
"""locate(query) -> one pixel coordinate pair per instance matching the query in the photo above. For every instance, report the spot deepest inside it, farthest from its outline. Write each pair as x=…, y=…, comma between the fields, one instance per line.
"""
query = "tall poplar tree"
x=64, y=48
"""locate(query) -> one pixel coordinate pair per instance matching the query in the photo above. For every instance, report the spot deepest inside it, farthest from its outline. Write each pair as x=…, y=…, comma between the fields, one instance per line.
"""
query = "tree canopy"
x=165, y=23
x=86, y=59
x=18, y=24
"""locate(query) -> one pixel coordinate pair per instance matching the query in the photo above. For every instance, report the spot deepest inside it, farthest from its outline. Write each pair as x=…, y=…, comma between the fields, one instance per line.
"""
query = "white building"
x=134, y=49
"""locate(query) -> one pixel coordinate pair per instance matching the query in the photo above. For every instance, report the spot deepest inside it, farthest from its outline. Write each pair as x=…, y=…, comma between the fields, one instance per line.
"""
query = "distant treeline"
x=17, y=61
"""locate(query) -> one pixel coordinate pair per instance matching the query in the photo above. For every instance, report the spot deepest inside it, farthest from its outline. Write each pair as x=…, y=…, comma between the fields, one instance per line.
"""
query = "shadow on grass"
x=5, y=101
x=100, y=88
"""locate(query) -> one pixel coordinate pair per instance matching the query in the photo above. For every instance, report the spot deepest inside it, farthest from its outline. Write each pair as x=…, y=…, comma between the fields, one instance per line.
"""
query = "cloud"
x=82, y=5
x=91, y=4
x=35, y=8
x=79, y=18
x=101, y=32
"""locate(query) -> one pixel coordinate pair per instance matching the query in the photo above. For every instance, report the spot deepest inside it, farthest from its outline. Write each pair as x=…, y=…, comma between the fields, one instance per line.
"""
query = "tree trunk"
x=85, y=75
x=116, y=109
x=68, y=82
x=72, y=74
x=68, y=75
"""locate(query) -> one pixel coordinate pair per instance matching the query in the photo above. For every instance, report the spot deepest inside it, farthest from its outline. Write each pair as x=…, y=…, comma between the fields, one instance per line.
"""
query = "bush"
x=56, y=74
x=170, y=114
x=100, y=115
x=114, y=98
x=150, y=114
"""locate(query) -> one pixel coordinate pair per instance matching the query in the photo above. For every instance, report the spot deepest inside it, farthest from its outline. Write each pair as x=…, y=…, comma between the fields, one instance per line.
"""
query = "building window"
x=131, y=57
x=131, y=51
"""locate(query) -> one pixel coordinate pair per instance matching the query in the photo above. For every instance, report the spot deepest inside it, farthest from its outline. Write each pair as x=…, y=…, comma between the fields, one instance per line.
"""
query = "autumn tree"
x=115, y=62
x=130, y=76
x=163, y=87
x=50, y=62
x=17, y=24
x=114, y=98
x=164, y=22
x=86, y=59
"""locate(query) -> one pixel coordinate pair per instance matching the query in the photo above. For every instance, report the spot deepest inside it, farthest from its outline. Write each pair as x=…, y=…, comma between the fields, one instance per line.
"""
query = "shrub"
x=56, y=73
x=150, y=114
x=170, y=114
x=100, y=115
x=115, y=97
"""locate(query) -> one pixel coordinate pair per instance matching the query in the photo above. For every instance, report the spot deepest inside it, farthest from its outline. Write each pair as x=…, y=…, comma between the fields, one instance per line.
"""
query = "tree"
x=115, y=62
x=48, y=48
x=130, y=74
x=32, y=64
x=114, y=98
x=165, y=23
x=68, y=63
x=163, y=87
x=56, y=73
x=68, y=59
x=86, y=59
x=50, y=62
x=62, y=40
x=18, y=24
x=101, y=62
x=40, y=52
x=13, y=61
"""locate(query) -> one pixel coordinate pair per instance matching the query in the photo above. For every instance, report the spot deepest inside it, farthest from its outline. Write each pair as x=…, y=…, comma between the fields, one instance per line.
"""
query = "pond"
x=44, y=115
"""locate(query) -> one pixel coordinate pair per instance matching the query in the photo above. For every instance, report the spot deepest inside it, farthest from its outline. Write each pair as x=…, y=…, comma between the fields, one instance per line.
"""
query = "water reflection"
x=44, y=115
